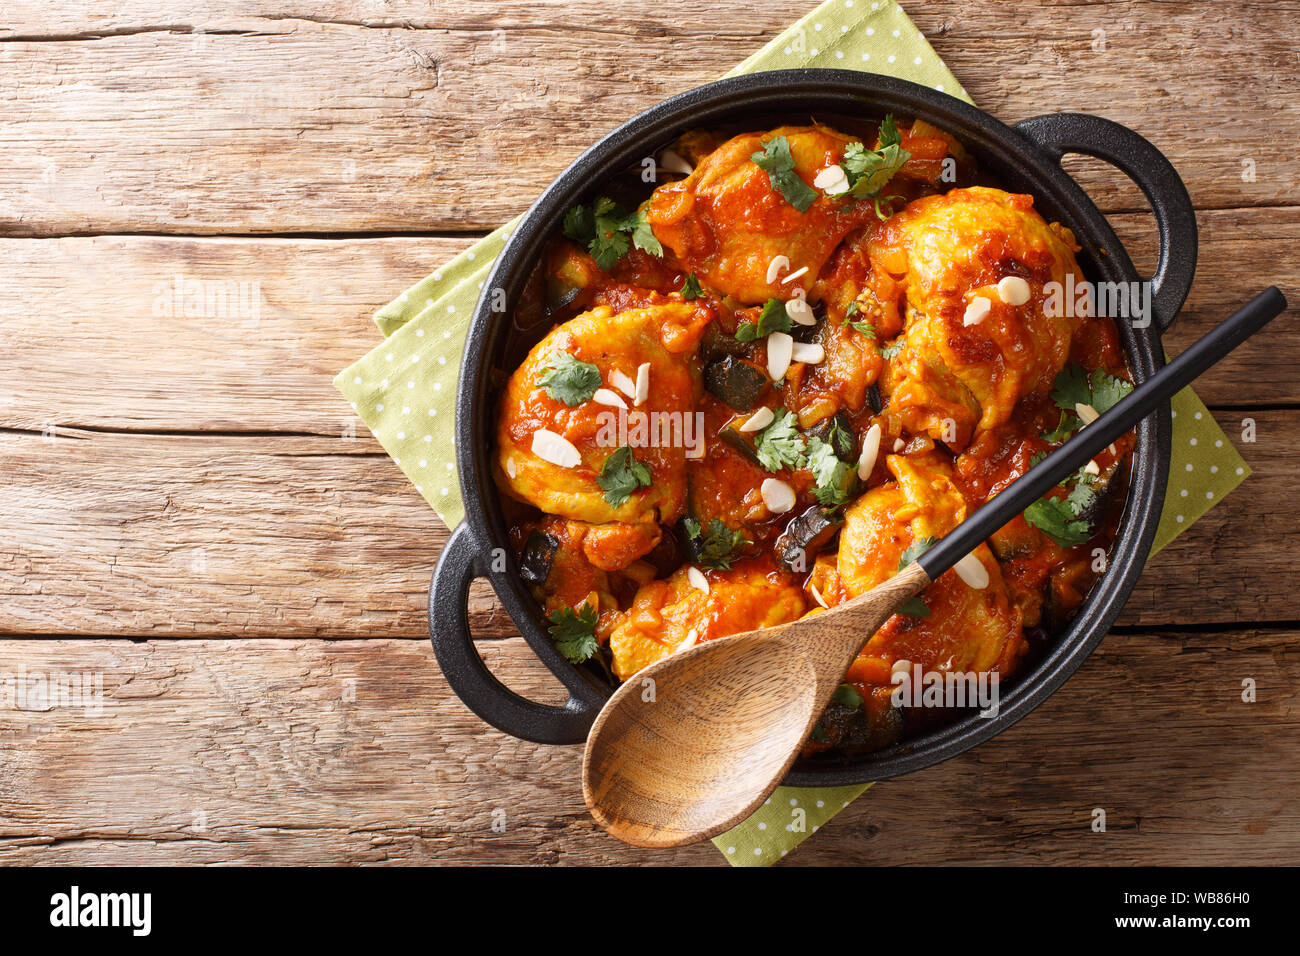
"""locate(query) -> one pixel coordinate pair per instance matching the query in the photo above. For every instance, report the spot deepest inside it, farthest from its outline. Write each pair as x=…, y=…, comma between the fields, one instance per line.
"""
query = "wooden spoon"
x=691, y=745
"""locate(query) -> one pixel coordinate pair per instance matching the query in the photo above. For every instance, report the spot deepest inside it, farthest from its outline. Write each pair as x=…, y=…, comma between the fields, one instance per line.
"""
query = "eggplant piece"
x=539, y=554
x=1108, y=492
x=837, y=431
x=810, y=333
x=873, y=399
x=716, y=344
x=735, y=382
x=740, y=443
x=805, y=537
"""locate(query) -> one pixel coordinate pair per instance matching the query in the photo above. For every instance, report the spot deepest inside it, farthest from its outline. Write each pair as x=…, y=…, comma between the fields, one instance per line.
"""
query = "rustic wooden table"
x=191, y=513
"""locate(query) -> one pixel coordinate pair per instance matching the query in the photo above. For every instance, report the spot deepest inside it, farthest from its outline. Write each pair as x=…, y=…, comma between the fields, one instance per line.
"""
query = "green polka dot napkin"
x=405, y=389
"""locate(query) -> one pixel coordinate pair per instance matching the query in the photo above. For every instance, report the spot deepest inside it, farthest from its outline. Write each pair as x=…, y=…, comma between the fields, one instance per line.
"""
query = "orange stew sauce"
x=823, y=392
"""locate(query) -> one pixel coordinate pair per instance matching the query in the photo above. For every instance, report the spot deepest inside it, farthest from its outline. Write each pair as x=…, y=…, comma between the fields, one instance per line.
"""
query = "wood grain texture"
x=392, y=117
x=94, y=309
x=252, y=752
x=295, y=536
x=198, y=483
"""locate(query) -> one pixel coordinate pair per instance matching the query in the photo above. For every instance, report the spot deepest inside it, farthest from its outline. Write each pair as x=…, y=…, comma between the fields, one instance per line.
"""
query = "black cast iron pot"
x=1024, y=158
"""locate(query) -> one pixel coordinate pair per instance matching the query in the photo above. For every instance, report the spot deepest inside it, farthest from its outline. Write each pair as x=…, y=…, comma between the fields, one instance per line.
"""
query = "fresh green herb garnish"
x=773, y=318
x=891, y=351
x=569, y=380
x=621, y=475
x=914, y=550
x=915, y=608
x=1067, y=426
x=780, y=445
x=1057, y=519
x=866, y=328
x=574, y=634
x=847, y=695
x=691, y=287
x=715, y=546
x=1074, y=386
x=830, y=473
x=869, y=170
x=777, y=161
x=609, y=231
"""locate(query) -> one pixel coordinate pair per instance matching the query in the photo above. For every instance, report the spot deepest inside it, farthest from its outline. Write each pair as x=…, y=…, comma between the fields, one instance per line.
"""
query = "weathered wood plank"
x=310, y=752
x=126, y=120
x=244, y=536
x=93, y=310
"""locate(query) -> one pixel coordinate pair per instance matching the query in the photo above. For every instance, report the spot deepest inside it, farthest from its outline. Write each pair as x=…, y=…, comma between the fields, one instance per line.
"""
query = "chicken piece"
x=963, y=367
x=968, y=629
x=726, y=223
x=656, y=431
x=672, y=614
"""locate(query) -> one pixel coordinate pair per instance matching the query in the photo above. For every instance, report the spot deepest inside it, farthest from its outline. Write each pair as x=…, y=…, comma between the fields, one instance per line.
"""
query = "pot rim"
x=1007, y=151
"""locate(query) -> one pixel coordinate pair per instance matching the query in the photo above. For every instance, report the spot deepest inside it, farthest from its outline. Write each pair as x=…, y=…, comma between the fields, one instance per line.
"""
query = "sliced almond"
x=777, y=495
x=780, y=348
x=510, y=467
x=898, y=444
x=799, y=310
x=774, y=268
x=1013, y=290
x=673, y=162
x=832, y=180
x=870, y=449
x=692, y=638
x=810, y=353
x=1087, y=414
x=971, y=570
x=607, y=396
x=622, y=383
x=556, y=449
x=759, y=420
x=794, y=275
x=977, y=311
x=697, y=579
x=817, y=596
x=642, y=390
x=1092, y=468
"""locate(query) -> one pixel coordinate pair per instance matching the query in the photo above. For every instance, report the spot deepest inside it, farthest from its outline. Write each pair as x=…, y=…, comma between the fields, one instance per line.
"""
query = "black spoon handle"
x=1088, y=441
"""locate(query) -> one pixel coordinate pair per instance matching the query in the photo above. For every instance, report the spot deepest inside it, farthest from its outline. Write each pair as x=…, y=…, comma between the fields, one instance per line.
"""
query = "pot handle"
x=464, y=669
x=1061, y=133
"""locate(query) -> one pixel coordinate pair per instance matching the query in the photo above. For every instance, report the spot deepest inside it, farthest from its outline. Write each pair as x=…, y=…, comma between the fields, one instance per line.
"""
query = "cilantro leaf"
x=1080, y=497
x=1056, y=518
x=609, y=231
x=891, y=351
x=870, y=170
x=580, y=225
x=914, y=550
x=1068, y=424
x=621, y=475
x=777, y=161
x=1107, y=390
x=569, y=380
x=780, y=445
x=1074, y=386
x=866, y=328
x=915, y=608
x=716, y=546
x=829, y=472
x=574, y=634
x=643, y=236
x=691, y=287
x=847, y=696
x=773, y=318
